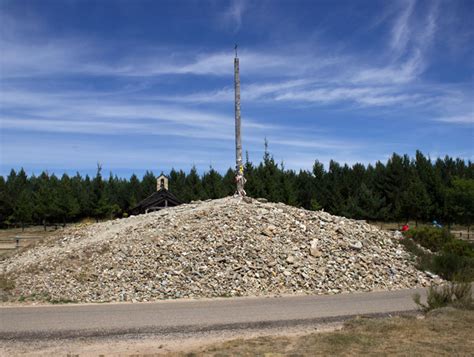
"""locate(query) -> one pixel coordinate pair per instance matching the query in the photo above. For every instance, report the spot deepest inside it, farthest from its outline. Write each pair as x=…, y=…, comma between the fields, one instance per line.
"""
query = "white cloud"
x=35, y=59
x=410, y=32
x=397, y=74
x=365, y=96
x=54, y=58
x=249, y=92
x=81, y=113
x=410, y=40
x=272, y=78
x=233, y=14
x=458, y=119
x=425, y=35
x=315, y=142
x=28, y=54
x=401, y=30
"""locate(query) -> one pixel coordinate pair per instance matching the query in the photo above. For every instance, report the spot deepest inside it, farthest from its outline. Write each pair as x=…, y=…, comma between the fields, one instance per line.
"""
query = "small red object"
x=405, y=228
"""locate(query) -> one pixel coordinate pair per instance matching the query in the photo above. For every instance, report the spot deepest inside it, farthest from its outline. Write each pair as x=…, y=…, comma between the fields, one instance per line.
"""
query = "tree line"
x=401, y=189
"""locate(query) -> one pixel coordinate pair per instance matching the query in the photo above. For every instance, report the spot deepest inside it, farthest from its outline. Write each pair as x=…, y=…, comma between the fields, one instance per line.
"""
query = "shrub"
x=454, y=262
x=454, y=267
x=424, y=260
x=431, y=238
x=459, y=247
x=457, y=295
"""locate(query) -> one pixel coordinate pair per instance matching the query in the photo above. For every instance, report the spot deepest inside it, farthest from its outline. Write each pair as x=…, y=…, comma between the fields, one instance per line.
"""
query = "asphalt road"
x=194, y=316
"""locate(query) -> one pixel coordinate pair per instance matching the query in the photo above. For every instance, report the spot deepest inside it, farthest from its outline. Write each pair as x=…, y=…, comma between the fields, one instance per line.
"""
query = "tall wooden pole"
x=239, y=169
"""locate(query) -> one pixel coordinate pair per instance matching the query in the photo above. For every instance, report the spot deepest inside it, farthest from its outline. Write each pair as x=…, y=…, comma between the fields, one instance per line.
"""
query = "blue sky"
x=139, y=85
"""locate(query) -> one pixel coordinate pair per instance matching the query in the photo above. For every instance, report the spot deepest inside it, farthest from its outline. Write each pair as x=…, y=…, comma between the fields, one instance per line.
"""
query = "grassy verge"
x=445, y=332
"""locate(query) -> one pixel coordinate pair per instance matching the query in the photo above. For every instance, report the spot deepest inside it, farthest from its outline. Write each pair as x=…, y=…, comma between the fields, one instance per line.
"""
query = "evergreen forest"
x=399, y=190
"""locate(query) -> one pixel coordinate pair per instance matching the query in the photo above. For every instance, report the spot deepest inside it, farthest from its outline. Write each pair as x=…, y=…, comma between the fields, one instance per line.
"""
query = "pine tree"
x=253, y=185
x=193, y=189
x=369, y=205
x=415, y=202
x=5, y=207
x=394, y=182
x=306, y=195
x=113, y=191
x=101, y=203
x=402, y=188
x=23, y=211
x=85, y=195
x=228, y=182
x=288, y=187
x=134, y=192
x=321, y=193
x=269, y=175
x=68, y=205
x=44, y=199
x=56, y=200
x=177, y=183
x=148, y=185
x=15, y=184
x=460, y=201
x=432, y=183
x=335, y=200
x=212, y=184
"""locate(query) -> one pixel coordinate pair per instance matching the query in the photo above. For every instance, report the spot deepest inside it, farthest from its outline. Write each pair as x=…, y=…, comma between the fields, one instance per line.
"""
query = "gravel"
x=217, y=248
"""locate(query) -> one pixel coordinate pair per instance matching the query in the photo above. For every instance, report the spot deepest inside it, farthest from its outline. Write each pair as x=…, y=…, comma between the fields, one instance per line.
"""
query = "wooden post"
x=239, y=168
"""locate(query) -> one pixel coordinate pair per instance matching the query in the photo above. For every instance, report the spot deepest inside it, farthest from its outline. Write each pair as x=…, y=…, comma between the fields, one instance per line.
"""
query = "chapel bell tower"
x=162, y=183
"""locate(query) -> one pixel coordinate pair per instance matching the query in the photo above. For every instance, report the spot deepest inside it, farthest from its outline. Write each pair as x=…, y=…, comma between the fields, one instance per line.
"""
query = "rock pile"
x=225, y=247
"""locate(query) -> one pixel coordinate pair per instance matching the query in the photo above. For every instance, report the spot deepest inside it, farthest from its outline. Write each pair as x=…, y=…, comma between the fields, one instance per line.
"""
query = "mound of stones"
x=219, y=248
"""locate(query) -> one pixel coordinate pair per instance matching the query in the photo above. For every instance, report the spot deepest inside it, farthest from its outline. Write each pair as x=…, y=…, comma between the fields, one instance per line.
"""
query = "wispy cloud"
x=413, y=33
x=42, y=55
x=72, y=57
x=398, y=73
x=250, y=92
x=65, y=113
x=233, y=14
x=79, y=114
x=401, y=30
x=370, y=92
x=467, y=119
x=410, y=39
x=316, y=142
x=82, y=84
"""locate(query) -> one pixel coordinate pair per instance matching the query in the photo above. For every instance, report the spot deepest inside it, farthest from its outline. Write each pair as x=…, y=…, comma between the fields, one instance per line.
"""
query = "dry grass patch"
x=445, y=332
x=6, y=286
x=6, y=283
